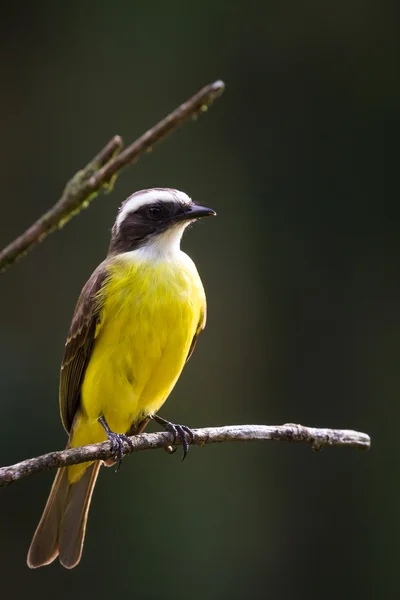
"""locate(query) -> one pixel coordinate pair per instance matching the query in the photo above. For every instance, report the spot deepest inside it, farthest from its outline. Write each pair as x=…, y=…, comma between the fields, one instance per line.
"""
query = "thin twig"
x=102, y=171
x=317, y=438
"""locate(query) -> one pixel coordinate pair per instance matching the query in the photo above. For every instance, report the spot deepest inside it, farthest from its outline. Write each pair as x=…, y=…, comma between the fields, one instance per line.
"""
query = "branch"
x=102, y=171
x=317, y=438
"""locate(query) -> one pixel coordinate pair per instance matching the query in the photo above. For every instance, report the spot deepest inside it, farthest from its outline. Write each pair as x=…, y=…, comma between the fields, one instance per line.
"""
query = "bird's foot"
x=117, y=445
x=178, y=432
x=116, y=442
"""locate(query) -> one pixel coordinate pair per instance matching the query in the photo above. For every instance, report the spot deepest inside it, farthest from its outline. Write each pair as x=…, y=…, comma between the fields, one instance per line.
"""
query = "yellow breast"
x=150, y=312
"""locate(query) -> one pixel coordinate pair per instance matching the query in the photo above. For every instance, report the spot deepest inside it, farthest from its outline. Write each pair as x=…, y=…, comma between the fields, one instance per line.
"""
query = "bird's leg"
x=116, y=441
x=178, y=431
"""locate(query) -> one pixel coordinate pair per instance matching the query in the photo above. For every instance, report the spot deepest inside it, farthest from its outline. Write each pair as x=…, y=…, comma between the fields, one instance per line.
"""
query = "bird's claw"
x=116, y=442
x=178, y=432
x=182, y=432
x=117, y=446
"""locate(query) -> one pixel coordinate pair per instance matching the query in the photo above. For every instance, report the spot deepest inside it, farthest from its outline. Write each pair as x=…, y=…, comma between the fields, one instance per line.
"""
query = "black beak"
x=195, y=211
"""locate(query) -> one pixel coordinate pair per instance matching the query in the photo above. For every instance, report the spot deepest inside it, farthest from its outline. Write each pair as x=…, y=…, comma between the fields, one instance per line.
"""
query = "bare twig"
x=317, y=438
x=101, y=172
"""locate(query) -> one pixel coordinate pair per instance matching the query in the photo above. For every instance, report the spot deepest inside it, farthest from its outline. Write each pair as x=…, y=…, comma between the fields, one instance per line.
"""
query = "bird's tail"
x=61, y=530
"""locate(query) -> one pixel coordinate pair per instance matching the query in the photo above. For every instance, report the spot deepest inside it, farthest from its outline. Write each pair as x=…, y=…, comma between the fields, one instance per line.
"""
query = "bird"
x=135, y=325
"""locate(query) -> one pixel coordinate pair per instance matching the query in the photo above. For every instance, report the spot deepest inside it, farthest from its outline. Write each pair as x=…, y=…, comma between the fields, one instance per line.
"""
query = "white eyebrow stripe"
x=144, y=197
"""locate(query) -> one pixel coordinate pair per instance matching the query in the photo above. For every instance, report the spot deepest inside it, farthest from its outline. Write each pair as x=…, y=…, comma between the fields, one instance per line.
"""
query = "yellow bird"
x=135, y=325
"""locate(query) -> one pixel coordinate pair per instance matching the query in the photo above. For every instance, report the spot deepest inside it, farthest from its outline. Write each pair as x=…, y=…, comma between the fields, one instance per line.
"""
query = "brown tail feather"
x=73, y=527
x=61, y=529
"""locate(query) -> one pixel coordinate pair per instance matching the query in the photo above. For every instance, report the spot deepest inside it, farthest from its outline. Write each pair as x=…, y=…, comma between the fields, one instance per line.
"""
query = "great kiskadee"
x=135, y=325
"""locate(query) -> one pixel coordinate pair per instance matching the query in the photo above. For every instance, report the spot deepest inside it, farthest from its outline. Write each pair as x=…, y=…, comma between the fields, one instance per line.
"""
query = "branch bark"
x=317, y=438
x=102, y=171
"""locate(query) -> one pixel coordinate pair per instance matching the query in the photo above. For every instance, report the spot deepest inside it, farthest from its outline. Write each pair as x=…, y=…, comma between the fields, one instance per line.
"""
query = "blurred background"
x=301, y=269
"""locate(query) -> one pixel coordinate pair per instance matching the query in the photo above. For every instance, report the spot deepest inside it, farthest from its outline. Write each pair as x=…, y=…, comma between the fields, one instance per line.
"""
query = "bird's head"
x=155, y=219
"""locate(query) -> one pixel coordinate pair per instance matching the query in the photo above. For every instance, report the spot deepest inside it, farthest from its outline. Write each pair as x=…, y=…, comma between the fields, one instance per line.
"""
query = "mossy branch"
x=101, y=172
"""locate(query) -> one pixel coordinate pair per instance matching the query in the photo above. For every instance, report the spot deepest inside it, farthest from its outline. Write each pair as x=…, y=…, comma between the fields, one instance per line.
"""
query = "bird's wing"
x=79, y=345
x=200, y=327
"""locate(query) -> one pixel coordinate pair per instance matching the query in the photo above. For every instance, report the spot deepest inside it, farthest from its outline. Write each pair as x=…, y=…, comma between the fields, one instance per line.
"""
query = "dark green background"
x=300, y=160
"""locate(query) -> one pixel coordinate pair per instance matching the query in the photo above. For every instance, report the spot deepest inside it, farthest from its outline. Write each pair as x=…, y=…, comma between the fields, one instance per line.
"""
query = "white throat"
x=166, y=245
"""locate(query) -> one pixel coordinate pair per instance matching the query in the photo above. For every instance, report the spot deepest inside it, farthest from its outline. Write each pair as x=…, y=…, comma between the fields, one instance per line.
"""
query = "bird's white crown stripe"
x=144, y=197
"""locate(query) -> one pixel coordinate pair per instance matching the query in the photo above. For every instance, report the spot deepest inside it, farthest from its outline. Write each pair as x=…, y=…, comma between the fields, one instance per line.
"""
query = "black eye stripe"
x=158, y=210
x=155, y=211
x=147, y=220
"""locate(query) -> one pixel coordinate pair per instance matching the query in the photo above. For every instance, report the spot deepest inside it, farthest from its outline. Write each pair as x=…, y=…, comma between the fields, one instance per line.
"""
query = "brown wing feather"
x=79, y=345
x=200, y=327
